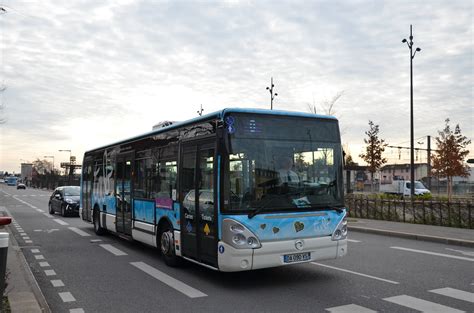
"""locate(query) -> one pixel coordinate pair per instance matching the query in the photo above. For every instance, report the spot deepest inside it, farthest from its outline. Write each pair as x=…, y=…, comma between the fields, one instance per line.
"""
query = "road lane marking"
x=357, y=273
x=50, y=272
x=35, y=251
x=39, y=257
x=353, y=240
x=57, y=283
x=434, y=253
x=22, y=234
x=39, y=210
x=67, y=296
x=48, y=215
x=350, y=308
x=421, y=305
x=113, y=250
x=60, y=222
x=455, y=293
x=26, y=238
x=168, y=280
x=96, y=240
x=44, y=264
x=79, y=232
x=468, y=253
x=79, y=310
x=28, y=241
x=24, y=202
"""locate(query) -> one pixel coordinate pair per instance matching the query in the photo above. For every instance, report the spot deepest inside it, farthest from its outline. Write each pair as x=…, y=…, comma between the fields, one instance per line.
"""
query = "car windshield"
x=294, y=167
x=72, y=191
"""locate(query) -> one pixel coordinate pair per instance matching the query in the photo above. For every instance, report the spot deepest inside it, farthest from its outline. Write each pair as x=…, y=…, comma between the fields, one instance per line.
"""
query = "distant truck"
x=403, y=188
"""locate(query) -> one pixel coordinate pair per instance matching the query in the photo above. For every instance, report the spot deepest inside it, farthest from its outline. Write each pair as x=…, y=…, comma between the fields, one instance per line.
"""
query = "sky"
x=81, y=74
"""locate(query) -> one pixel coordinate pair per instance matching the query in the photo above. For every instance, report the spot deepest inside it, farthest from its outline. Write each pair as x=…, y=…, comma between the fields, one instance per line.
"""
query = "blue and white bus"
x=11, y=180
x=209, y=190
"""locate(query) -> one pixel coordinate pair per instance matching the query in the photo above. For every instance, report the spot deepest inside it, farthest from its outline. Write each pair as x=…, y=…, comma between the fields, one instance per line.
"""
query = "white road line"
x=168, y=280
x=26, y=238
x=39, y=257
x=421, y=305
x=79, y=232
x=353, y=240
x=96, y=240
x=28, y=241
x=79, y=310
x=38, y=230
x=455, y=293
x=434, y=253
x=39, y=210
x=113, y=250
x=48, y=215
x=468, y=253
x=24, y=202
x=43, y=264
x=50, y=272
x=35, y=251
x=60, y=222
x=22, y=234
x=350, y=308
x=67, y=296
x=57, y=283
x=356, y=273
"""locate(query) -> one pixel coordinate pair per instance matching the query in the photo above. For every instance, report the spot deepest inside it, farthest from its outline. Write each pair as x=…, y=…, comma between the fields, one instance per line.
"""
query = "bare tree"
x=373, y=151
x=448, y=160
x=327, y=105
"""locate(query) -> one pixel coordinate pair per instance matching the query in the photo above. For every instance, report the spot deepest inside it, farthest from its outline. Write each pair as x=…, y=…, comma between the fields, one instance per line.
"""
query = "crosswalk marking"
x=455, y=293
x=60, y=222
x=79, y=231
x=421, y=305
x=350, y=308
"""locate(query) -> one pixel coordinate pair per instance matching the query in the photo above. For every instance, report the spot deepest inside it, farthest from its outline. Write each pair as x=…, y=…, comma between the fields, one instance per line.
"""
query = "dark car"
x=65, y=200
x=21, y=186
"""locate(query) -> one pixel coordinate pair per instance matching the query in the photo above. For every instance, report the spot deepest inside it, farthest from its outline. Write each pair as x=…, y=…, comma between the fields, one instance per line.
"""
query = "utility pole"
x=272, y=96
x=429, y=161
x=412, y=140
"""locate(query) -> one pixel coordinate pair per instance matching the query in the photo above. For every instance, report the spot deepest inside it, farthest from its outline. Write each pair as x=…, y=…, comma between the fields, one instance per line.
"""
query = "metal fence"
x=457, y=213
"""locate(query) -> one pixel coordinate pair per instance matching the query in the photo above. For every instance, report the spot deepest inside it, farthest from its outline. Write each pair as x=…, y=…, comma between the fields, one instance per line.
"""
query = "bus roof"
x=216, y=115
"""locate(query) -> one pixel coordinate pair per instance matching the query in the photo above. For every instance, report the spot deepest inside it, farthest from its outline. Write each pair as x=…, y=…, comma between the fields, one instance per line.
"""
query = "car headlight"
x=341, y=229
x=238, y=236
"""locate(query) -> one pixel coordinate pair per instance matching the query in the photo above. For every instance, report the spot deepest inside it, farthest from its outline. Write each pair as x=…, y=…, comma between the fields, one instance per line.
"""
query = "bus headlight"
x=341, y=229
x=238, y=236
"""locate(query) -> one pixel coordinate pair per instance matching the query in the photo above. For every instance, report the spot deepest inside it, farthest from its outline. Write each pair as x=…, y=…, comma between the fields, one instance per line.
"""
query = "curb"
x=384, y=232
x=32, y=301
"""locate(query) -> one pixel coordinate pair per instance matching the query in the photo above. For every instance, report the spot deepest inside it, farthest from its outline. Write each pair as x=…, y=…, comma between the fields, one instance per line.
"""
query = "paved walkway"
x=448, y=235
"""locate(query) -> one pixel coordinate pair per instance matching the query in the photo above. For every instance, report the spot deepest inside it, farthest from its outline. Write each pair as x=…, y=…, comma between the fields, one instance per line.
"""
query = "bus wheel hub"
x=166, y=242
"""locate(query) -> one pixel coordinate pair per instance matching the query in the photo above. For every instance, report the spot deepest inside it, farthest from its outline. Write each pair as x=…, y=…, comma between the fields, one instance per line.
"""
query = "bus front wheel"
x=167, y=246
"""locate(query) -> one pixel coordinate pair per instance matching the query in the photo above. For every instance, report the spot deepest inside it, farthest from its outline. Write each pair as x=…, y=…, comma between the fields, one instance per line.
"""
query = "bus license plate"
x=297, y=257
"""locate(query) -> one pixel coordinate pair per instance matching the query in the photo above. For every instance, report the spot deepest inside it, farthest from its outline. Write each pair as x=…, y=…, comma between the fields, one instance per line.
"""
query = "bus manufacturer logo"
x=299, y=244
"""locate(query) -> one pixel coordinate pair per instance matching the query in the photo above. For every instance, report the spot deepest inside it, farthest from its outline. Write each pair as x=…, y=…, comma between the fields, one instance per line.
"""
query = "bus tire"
x=99, y=230
x=166, y=245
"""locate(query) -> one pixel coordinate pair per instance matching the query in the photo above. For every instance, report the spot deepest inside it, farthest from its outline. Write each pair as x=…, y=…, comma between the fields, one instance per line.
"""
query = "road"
x=78, y=271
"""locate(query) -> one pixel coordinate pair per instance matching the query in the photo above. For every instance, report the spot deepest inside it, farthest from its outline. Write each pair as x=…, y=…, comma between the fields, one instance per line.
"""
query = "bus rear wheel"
x=167, y=247
x=96, y=220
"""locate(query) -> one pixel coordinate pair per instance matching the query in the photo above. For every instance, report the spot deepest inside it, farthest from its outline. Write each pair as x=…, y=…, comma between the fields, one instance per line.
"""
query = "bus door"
x=87, y=181
x=123, y=188
x=198, y=212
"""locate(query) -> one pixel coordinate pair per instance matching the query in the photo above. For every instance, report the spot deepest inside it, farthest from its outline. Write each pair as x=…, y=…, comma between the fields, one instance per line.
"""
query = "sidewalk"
x=441, y=234
x=23, y=291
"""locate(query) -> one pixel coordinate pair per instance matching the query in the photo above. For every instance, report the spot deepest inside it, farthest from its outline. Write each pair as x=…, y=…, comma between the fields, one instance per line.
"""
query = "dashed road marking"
x=50, y=272
x=79, y=231
x=420, y=304
x=28, y=241
x=24, y=202
x=39, y=210
x=43, y=264
x=353, y=240
x=168, y=280
x=26, y=238
x=60, y=222
x=435, y=253
x=39, y=257
x=455, y=293
x=96, y=240
x=113, y=250
x=350, y=308
x=67, y=296
x=357, y=273
x=35, y=251
x=79, y=310
x=48, y=215
x=57, y=283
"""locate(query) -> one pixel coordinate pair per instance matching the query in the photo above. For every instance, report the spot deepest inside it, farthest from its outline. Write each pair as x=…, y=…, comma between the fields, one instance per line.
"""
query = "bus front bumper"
x=272, y=254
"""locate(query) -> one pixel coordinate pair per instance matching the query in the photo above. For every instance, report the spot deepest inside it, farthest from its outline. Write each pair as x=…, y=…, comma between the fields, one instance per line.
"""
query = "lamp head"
x=404, y=40
x=418, y=49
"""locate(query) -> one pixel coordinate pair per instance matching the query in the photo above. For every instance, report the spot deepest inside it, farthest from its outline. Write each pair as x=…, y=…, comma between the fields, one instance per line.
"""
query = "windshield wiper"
x=255, y=212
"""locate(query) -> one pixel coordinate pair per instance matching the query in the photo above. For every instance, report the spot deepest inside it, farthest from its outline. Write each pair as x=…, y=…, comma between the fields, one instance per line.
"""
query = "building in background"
x=26, y=173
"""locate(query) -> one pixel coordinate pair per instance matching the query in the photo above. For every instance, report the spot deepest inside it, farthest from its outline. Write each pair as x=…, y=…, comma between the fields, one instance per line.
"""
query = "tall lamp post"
x=50, y=156
x=412, y=140
x=272, y=96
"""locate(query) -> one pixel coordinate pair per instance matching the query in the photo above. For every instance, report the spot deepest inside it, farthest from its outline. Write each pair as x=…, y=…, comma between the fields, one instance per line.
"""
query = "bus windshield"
x=284, y=164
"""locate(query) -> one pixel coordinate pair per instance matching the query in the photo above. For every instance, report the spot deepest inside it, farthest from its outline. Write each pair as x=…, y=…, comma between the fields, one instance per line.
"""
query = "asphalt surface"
x=78, y=271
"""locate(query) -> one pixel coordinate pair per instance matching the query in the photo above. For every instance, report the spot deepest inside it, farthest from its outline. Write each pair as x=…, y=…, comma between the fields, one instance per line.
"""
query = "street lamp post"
x=412, y=140
x=50, y=156
x=272, y=96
